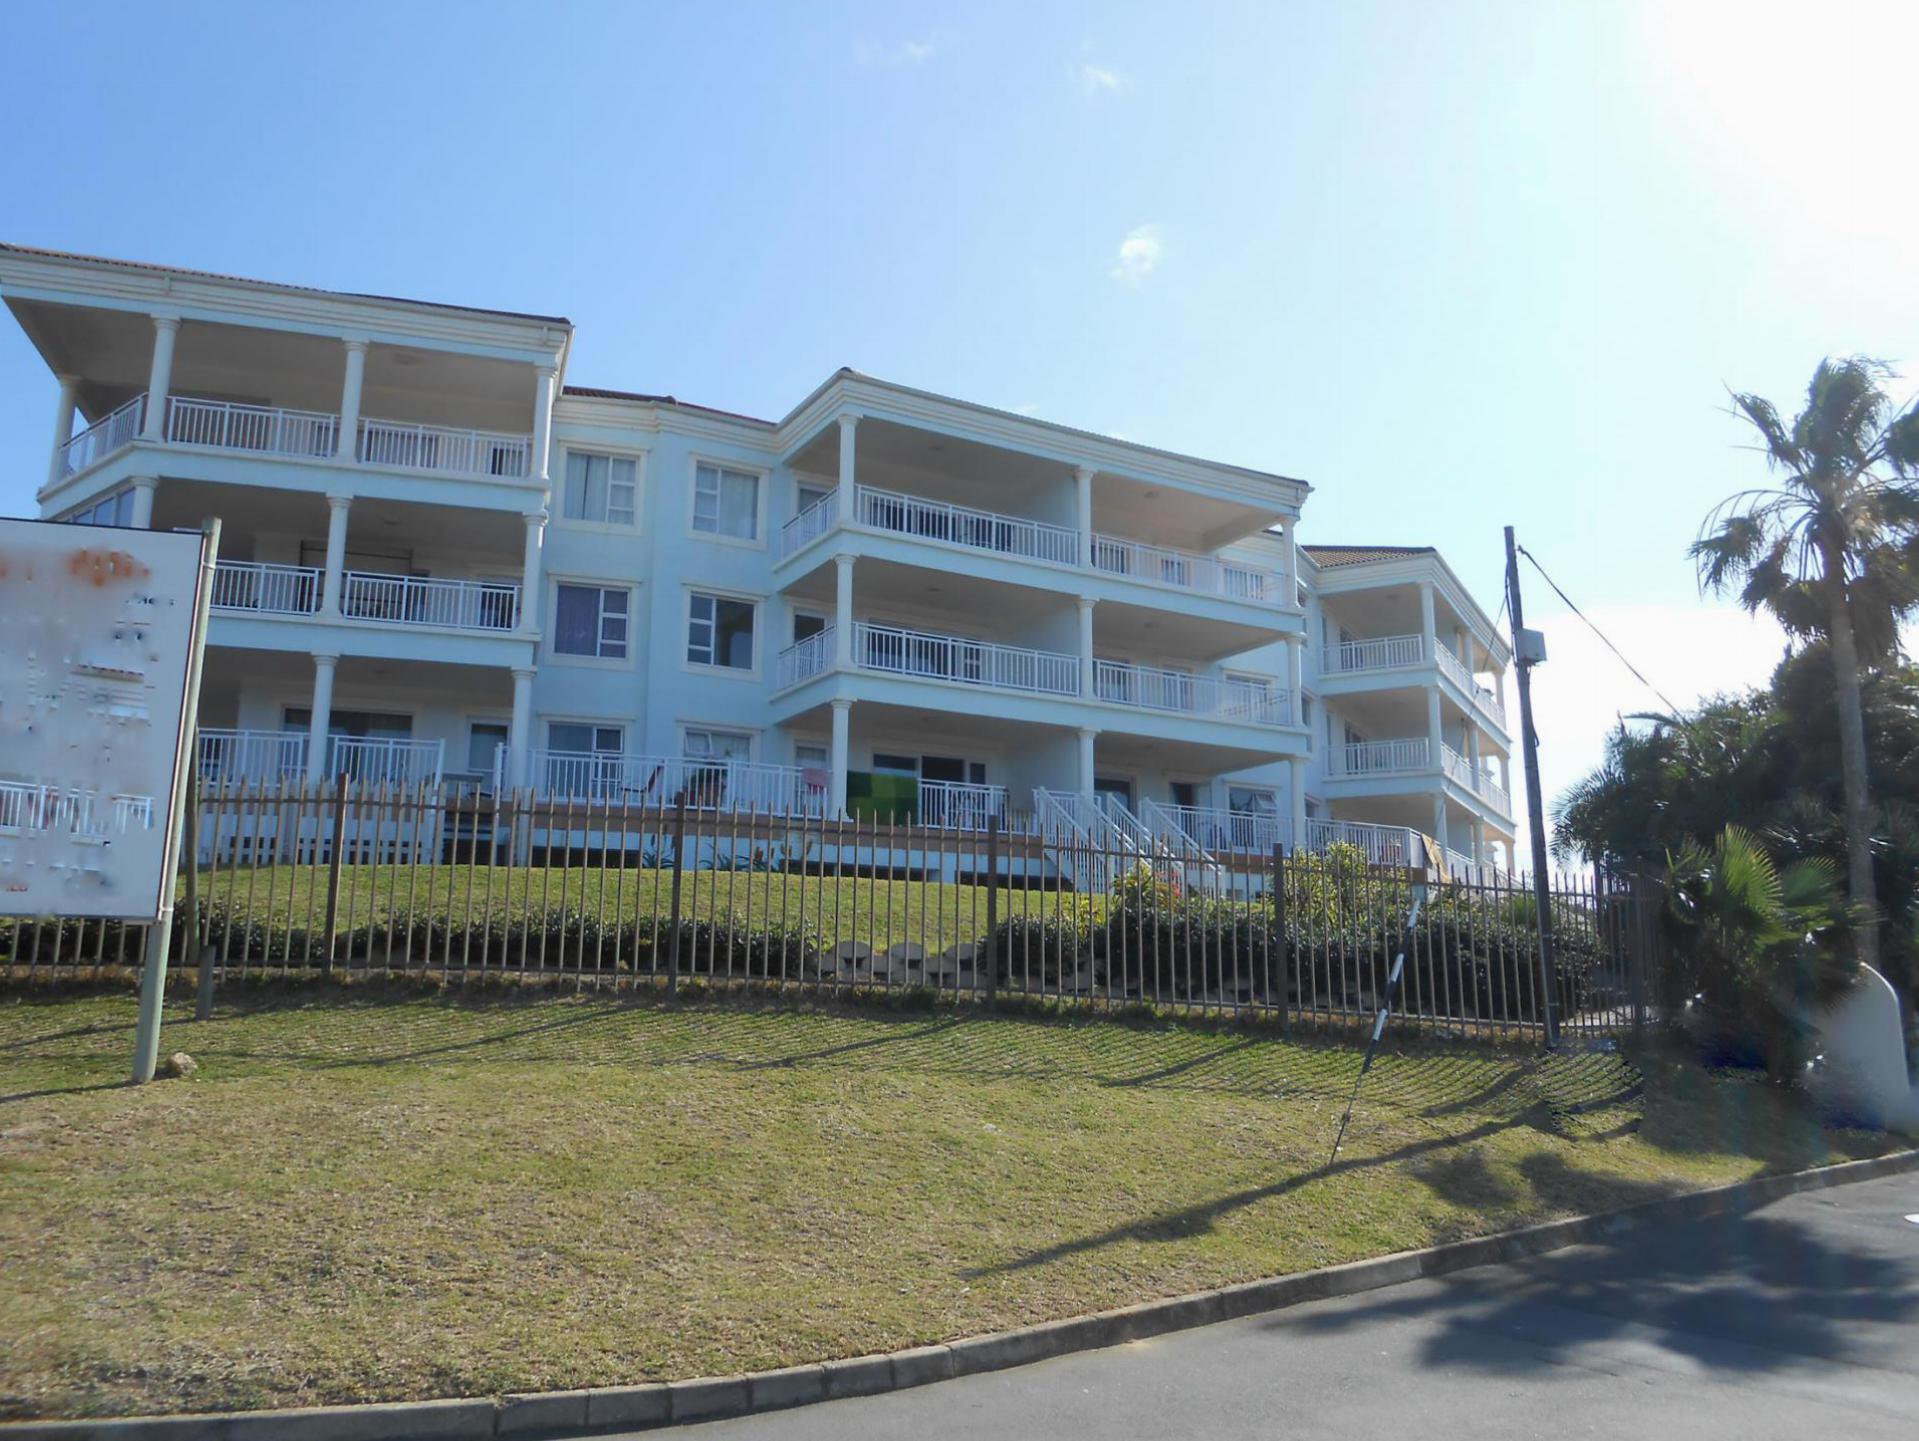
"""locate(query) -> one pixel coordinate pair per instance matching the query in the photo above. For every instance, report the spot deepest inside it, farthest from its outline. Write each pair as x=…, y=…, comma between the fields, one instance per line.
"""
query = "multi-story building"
x=439, y=561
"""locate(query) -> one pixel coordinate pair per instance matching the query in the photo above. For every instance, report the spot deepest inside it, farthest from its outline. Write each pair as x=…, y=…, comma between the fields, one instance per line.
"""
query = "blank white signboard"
x=96, y=637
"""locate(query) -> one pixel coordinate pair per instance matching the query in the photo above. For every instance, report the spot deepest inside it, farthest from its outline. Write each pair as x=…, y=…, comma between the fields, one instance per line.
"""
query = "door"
x=1185, y=794
x=1119, y=789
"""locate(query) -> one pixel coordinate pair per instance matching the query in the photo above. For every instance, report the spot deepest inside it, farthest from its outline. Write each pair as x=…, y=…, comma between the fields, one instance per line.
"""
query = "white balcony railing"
x=421, y=600
x=943, y=657
x=1475, y=778
x=804, y=659
x=233, y=757
x=257, y=586
x=1187, y=569
x=810, y=524
x=702, y=782
x=1382, y=845
x=386, y=760
x=977, y=529
x=447, y=451
x=1219, y=698
x=1222, y=831
x=955, y=805
x=1408, y=756
x=104, y=436
x=1385, y=652
x=251, y=427
x=1455, y=670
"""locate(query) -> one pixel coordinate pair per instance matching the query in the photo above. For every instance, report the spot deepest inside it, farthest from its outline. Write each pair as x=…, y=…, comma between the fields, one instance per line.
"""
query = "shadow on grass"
x=1745, y=1294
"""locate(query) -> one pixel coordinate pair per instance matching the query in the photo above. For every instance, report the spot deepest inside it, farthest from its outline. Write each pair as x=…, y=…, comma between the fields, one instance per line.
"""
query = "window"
x=726, y=502
x=1251, y=801
x=896, y=765
x=585, y=738
x=115, y=509
x=719, y=632
x=810, y=496
x=805, y=626
x=702, y=743
x=600, y=488
x=483, y=742
x=584, y=759
x=590, y=620
x=808, y=755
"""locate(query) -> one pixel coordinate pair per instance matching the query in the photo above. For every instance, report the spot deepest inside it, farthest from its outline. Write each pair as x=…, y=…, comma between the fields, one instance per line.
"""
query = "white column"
x=1479, y=841
x=1296, y=702
x=843, y=611
x=1472, y=747
x=1086, y=647
x=1439, y=820
x=842, y=745
x=1083, y=513
x=1086, y=738
x=849, y=508
x=166, y=330
x=1296, y=788
x=531, y=567
x=337, y=508
x=1435, y=734
x=1286, y=525
x=350, y=389
x=323, y=667
x=542, y=420
x=520, y=729
x=1428, y=622
x=63, y=428
x=143, y=489
x=1506, y=777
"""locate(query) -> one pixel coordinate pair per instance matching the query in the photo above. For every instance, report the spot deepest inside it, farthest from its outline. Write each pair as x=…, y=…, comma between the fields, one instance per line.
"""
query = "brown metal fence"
x=463, y=886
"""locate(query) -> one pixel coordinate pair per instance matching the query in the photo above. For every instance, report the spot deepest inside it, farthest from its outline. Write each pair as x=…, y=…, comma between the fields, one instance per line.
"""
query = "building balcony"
x=708, y=783
x=1022, y=538
x=1381, y=654
x=307, y=435
x=1412, y=756
x=890, y=650
x=297, y=590
x=237, y=757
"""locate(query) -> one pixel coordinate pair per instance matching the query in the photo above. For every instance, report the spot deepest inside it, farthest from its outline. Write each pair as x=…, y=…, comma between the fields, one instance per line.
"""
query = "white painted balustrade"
x=259, y=586
x=810, y=524
x=386, y=760
x=445, y=450
x=804, y=659
x=1220, y=698
x=1384, y=758
x=424, y=600
x=261, y=428
x=106, y=435
x=231, y=757
x=894, y=651
x=961, y=525
x=1188, y=570
x=702, y=782
x=955, y=805
x=1385, y=652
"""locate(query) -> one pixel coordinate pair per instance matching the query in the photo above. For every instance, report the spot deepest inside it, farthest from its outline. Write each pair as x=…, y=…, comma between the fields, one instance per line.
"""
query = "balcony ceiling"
x=1150, y=631
x=360, y=683
x=112, y=350
x=969, y=602
x=376, y=526
x=914, y=730
x=1117, y=754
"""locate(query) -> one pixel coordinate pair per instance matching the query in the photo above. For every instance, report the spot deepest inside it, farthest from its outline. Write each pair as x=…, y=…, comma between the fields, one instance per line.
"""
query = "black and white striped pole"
x=1379, y=1021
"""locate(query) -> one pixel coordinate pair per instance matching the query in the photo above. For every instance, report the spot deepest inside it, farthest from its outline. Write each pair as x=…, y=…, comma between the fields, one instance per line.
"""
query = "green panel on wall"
x=882, y=797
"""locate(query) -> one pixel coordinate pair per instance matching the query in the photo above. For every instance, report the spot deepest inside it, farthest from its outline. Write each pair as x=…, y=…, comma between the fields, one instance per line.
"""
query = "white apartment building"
x=441, y=562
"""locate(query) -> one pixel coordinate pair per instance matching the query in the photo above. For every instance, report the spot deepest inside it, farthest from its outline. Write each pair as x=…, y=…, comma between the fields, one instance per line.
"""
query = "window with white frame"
x=591, y=620
x=719, y=631
x=585, y=738
x=483, y=742
x=602, y=489
x=115, y=509
x=705, y=743
x=726, y=502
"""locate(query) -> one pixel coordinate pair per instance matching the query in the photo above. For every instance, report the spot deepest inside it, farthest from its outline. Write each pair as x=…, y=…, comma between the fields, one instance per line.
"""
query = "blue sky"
x=1457, y=265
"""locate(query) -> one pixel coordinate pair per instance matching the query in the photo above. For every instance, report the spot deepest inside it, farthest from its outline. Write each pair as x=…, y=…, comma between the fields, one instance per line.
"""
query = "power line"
x=1603, y=637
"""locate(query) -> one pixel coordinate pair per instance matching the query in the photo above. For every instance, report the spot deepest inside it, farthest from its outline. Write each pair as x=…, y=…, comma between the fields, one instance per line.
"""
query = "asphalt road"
x=1798, y=1320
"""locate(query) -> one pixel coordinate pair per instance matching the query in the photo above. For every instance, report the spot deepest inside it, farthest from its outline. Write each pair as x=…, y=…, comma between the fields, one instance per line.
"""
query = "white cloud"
x=907, y=52
x=1139, y=255
x=1095, y=80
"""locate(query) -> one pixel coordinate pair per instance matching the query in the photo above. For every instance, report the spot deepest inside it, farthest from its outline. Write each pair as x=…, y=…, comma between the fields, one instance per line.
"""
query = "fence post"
x=673, y=924
x=203, y=1007
x=333, y=873
x=991, y=959
x=1279, y=932
x=1641, y=931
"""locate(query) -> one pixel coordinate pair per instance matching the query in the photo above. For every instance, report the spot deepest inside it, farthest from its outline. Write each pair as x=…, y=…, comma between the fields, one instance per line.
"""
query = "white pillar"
x=843, y=611
x=143, y=489
x=1435, y=735
x=337, y=508
x=166, y=330
x=1083, y=513
x=520, y=729
x=1479, y=841
x=1472, y=748
x=1086, y=737
x=842, y=745
x=849, y=508
x=1296, y=788
x=531, y=568
x=1506, y=777
x=350, y=390
x=1439, y=820
x=63, y=428
x=1428, y=621
x=1291, y=593
x=322, y=715
x=1296, y=702
x=1086, y=647
x=542, y=420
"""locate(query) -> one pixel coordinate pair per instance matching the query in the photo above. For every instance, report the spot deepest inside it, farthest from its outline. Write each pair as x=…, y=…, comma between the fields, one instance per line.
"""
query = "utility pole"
x=1529, y=649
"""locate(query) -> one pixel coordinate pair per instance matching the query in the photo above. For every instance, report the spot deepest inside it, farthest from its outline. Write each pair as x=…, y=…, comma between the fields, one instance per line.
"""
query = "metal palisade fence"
x=462, y=885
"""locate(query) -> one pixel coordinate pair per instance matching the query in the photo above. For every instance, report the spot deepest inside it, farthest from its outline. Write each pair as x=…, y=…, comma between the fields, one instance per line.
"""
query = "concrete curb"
x=617, y=1408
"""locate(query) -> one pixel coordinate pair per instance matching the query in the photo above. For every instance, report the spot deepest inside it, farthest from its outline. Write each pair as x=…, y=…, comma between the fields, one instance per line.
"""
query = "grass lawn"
x=364, y=1197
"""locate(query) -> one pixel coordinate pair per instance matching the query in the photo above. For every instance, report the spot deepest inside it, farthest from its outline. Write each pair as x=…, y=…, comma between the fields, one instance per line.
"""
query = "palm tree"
x=1833, y=552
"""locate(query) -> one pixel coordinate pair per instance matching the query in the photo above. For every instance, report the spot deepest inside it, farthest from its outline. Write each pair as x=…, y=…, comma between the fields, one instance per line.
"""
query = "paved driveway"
x=1799, y=1320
